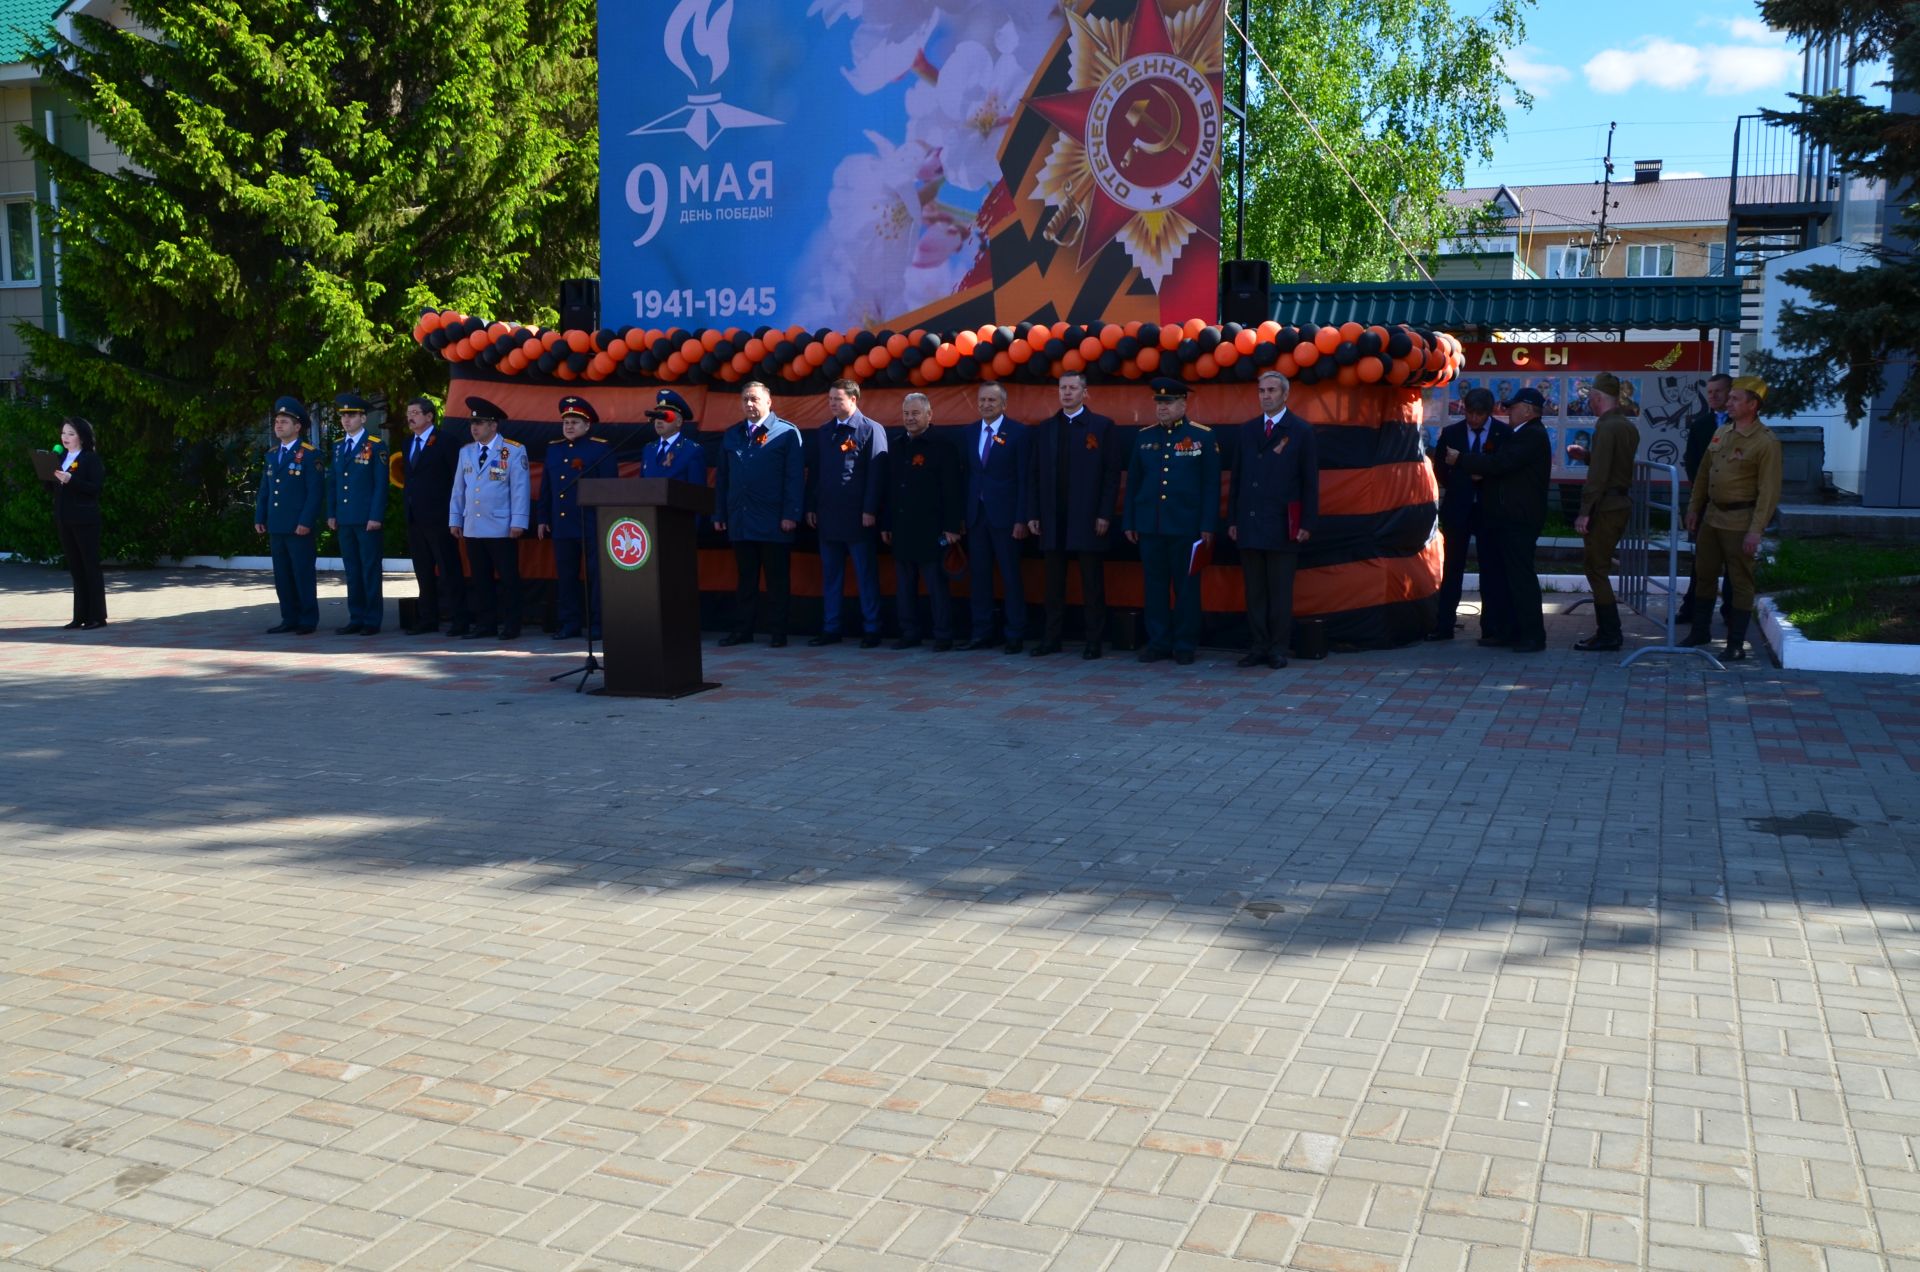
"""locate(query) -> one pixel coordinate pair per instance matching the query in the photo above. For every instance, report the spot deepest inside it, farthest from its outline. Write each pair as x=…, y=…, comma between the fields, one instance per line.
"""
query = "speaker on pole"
x=1246, y=292
x=579, y=304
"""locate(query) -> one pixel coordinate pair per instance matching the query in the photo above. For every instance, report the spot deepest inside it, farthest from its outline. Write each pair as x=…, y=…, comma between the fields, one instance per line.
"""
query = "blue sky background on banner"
x=786, y=63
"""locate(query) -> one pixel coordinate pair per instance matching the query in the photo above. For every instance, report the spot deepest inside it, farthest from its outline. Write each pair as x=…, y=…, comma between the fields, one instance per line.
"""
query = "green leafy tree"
x=301, y=180
x=1404, y=92
x=1857, y=321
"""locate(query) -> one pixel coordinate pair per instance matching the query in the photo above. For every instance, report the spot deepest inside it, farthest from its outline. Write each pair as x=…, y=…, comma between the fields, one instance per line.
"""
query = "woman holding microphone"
x=76, y=514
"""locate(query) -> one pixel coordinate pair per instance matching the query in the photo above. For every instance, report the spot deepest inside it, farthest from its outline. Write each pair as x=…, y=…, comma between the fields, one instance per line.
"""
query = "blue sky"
x=1675, y=76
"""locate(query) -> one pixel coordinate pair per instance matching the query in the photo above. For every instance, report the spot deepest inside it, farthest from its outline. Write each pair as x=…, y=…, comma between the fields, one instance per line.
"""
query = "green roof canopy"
x=1557, y=304
x=24, y=25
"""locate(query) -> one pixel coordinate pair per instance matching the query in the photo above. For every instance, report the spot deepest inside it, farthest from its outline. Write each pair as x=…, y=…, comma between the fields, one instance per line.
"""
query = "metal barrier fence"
x=1650, y=558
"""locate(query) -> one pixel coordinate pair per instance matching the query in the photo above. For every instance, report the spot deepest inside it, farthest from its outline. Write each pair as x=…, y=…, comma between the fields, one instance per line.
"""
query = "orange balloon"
x=429, y=321
x=1398, y=372
x=1379, y=333
x=1170, y=336
x=863, y=368
x=1326, y=340
x=691, y=350
x=1148, y=360
x=985, y=334
x=1090, y=348
x=1003, y=363
x=600, y=368
x=1110, y=336
x=816, y=353
x=1350, y=331
x=495, y=330
x=1370, y=370
x=617, y=349
x=1434, y=360
x=1286, y=366
x=878, y=357
x=1266, y=330
x=1306, y=353
x=1225, y=355
x=1348, y=377
x=964, y=344
x=946, y=355
x=1059, y=330
x=742, y=363
x=1194, y=327
x=755, y=350
x=709, y=338
x=565, y=372
x=676, y=365
x=1069, y=361
x=1207, y=367
x=896, y=344
x=514, y=362
x=463, y=349
x=1245, y=342
x=1132, y=370
x=579, y=342
x=1132, y=328
x=832, y=341
x=1019, y=351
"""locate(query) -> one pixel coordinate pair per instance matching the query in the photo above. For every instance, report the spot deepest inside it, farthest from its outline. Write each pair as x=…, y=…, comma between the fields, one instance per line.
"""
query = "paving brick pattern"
x=389, y=955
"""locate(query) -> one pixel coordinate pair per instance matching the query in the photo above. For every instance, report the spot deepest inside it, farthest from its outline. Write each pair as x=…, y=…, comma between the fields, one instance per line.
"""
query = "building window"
x=1649, y=260
x=20, y=246
x=1716, y=259
x=1497, y=245
x=1568, y=262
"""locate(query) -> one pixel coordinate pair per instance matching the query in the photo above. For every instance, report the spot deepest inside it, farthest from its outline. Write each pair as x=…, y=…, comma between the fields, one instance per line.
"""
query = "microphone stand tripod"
x=592, y=566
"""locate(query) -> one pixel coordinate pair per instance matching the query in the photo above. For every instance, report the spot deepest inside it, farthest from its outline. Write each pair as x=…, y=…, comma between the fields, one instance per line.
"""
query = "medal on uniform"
x=1093, y=443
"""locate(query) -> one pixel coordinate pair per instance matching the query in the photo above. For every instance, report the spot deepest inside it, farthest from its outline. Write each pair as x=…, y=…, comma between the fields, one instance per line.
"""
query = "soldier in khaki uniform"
x=1606, y=504
x=1734, y=498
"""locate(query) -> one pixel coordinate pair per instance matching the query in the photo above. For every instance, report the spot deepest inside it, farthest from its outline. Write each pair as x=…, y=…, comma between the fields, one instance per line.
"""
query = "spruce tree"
x=1857, y=320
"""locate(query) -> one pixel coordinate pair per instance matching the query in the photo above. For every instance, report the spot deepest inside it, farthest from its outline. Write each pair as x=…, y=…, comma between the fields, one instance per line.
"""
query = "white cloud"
x=1680, y=176
x=1532, y=72
x=1760, y=59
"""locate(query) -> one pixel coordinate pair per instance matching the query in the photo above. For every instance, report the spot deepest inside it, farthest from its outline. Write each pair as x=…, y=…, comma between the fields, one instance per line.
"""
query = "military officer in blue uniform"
x=1173, y=504
x=672, y=454
x=489, y=512
x=560, y=516
x=356, y=506
x=287, y=511
x=757, y=502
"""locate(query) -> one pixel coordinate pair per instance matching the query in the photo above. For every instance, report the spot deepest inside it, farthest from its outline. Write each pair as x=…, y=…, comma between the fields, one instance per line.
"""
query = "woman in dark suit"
x=76, y=514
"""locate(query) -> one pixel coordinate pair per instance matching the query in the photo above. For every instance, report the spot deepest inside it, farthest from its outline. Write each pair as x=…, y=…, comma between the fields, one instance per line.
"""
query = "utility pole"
x=1602, y=246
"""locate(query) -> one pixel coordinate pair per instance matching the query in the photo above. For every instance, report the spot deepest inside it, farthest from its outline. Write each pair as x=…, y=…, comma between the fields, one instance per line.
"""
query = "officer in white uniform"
x=489, y=512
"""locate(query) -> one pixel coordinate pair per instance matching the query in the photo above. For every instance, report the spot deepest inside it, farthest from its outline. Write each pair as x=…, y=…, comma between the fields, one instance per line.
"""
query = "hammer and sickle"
x=1141, y=115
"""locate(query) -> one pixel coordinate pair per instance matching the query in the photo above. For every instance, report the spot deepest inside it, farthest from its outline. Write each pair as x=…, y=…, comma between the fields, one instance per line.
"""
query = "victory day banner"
x=908, y=163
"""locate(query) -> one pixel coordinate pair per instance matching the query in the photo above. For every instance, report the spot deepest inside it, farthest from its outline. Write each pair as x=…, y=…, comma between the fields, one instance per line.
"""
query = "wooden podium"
x=650, y=583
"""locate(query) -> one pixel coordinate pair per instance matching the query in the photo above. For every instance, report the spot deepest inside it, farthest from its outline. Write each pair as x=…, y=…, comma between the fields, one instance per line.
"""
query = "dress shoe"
x=81, y=622
x=1184, y=658
x=433, y=630
x=479, y=633
x=457, y=630
x=1599, y=642
x=1275, y=661
x=1252, y=660
x=777, y=642
x=275, y=630
x=1044, y=648
x=1092, y=651
x=98, y=623
x=1152, y=655
x=369, y=631
x=824, y=638
x=985, y=642
x=304, y=631
x=1529, y=647
x=567, y=633
x=510, y=633
x=907, y=642
x=1494, y=642
x=351, y=629
x=942, y=646
x=1439, y=635
x=1013, y=647
x=870, y=641
x=734, y=638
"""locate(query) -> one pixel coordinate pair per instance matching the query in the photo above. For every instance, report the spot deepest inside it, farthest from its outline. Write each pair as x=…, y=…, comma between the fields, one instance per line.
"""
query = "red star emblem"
x=1151, y=132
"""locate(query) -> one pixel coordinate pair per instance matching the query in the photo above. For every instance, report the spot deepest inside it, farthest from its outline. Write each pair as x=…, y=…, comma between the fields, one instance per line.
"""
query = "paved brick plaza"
x=387, y=954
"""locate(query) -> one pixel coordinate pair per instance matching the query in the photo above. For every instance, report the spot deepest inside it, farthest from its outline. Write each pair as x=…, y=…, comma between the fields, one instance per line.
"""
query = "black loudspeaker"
x=579, y=304
x=1246, y=289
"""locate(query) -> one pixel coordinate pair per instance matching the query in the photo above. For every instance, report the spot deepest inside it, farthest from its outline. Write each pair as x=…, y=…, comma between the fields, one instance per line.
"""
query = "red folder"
x=1293, y=521
x=1201, y=557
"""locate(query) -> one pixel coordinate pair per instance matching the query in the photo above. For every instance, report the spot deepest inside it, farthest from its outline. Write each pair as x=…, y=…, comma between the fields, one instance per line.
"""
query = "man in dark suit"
x=1700, y=431
x=758, y=497
x=1463, y=520
x=921, y=517
x=1077, y=463
x=849, y=474
x=1276, y=505
x=1514, y=504
x=997, y=472
x=429, y=460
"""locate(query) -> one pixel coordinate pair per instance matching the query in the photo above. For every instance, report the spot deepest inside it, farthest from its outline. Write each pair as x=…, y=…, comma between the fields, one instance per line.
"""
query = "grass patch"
x=1838, y=589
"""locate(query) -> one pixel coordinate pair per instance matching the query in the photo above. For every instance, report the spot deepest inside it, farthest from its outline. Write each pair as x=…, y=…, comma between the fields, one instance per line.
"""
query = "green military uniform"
x=1606, y=501
x=1738, y=491
x=1173, y=497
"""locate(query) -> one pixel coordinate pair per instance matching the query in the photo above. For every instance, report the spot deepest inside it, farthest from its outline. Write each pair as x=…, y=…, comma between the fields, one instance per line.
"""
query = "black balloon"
x=1266, y=353
x=1208, y=339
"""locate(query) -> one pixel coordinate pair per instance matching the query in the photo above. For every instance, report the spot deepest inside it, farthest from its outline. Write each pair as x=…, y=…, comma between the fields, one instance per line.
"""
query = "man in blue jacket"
x=849, y=480
x=672, y=454
x=757, y=499
x=1077, y=462
x=287, y=511
x=355, y=508
x=1173, y=505
x=1276, y=505
x=560, y=515
x=996, y=517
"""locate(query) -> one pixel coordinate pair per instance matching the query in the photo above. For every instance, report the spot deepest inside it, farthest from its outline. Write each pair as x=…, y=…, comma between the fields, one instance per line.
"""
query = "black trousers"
x=906, y=597
x=81, y=544
x=1517, y=544
x=750, y=559
x=495, y=607
x=1093, y=593
x=1495, y=619
x=1269, y=577
x=436, y=567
